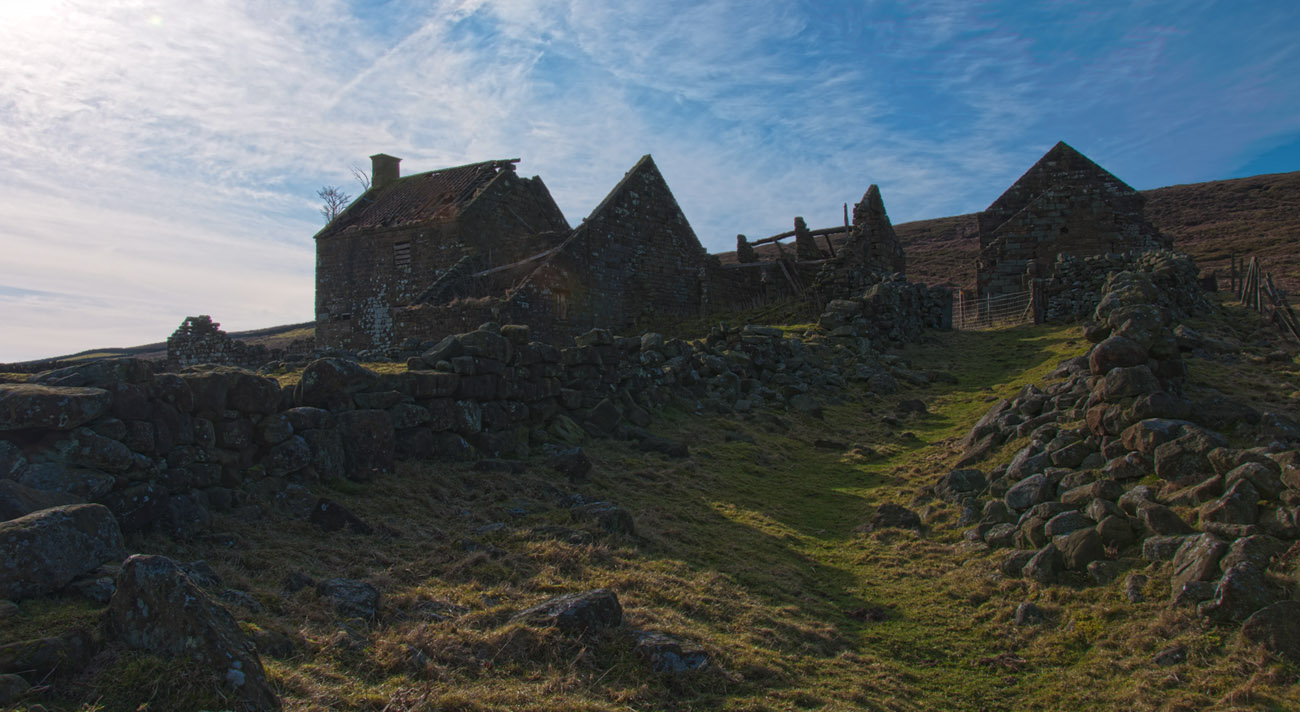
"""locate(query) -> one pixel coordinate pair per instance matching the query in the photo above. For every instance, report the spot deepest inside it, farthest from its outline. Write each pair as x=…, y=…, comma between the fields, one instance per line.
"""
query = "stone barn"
x=392, y=245
x=635, y=258
x=419, y=257
x=1064, y=205
x=425, y=255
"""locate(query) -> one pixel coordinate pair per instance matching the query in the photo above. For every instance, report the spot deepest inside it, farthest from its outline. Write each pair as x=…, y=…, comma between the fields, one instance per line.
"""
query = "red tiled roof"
x=423, y=197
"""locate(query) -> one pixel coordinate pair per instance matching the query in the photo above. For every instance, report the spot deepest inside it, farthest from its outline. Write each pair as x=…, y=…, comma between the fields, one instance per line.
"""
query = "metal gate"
x=970, y=312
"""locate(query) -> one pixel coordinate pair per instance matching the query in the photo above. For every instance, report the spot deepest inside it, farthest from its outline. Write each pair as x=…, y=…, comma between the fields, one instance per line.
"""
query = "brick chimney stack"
x=384, y=169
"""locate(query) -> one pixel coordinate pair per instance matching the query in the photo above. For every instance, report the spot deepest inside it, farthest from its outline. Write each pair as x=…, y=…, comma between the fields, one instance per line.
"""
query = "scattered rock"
x=1029, y=613
x=350, y=598
x=332, y=517
x=1080, y=548
x=158, y=609
x=1172, y=655
x=670, y=655
x=959, y=484
x=577, y=613
x=1277, y=628
x=1028, y=492
x=64, y=653
x=1045, y=566
x=1242, y=591
x=1134, y=588
x=1197, y=560
x=44, y=551
x=611, y=518
x=892, y=516
x=572, y=463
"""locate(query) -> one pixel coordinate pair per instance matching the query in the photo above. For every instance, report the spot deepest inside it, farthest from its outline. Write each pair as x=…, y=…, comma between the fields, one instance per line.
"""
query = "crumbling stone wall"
x=1064, y=205
x=892, y=310
x=1075, y=286
x=746, y=285
x=200, y=340
x=872, y=245
x=165, y=450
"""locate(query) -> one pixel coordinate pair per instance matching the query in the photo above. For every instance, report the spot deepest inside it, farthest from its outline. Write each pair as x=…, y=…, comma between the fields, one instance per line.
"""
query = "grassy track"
x=747, y=547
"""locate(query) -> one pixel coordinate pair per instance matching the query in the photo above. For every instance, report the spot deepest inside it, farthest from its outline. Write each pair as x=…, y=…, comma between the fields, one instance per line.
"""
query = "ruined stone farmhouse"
x=1064, y=205
x=426, y=255
x=405, y=239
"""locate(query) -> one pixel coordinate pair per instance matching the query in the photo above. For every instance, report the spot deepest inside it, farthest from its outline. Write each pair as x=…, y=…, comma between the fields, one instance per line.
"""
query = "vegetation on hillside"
x=749, y=547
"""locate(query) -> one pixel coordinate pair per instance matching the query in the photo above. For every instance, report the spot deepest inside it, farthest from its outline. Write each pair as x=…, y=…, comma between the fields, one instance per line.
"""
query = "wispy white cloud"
x=160, y=159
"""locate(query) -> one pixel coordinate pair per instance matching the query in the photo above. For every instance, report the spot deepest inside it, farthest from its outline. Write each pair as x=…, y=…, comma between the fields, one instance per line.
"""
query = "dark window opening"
x=402, y=254
x=561, y=305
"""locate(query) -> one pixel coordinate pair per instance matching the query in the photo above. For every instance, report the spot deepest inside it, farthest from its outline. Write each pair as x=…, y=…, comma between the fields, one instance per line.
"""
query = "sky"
x=160, y=159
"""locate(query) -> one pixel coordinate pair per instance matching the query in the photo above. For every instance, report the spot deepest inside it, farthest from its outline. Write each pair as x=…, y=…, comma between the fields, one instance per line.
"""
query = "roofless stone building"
x=422, y=256
x=1064, y=205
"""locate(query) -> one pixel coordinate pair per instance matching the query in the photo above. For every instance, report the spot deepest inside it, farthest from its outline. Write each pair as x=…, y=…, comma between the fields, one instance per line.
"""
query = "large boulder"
x=44, y=657
x=959, y=484
x=1115, y=352
x=99, y=374
x=350, y=598
x=25, y=406
x=487, y=344
x=81, y=482
x=44, y=551
x=17, y=500
x=577, y=613
x=1197, y=560
x=86, y=448
x=158, y=609
x=369, y=442
x=326, y=380
x=1277, y=628
x=1243, y=590
x=248, y=392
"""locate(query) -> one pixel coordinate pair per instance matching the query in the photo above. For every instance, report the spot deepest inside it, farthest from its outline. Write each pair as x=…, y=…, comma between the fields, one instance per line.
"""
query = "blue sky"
x=159, y=159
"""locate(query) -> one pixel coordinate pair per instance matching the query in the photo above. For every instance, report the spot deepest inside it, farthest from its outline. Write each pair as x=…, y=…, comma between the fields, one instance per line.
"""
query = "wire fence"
x=971, y=313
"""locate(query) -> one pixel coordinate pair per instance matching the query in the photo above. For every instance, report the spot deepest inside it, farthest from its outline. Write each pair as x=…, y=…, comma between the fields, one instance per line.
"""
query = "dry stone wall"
x=1076, y=284
x=200, y=340
x=164, y=451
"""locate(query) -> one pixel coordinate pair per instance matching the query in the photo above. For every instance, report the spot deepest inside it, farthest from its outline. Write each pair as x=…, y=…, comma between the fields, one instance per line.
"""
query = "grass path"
x=747, y=547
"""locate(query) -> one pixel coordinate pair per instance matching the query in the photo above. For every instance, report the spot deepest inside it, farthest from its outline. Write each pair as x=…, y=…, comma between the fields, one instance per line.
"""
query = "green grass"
x=747, y=547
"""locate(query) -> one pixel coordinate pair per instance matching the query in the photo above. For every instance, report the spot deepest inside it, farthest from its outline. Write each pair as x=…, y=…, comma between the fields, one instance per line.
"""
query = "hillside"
x=1247, y=216
x=772, y=550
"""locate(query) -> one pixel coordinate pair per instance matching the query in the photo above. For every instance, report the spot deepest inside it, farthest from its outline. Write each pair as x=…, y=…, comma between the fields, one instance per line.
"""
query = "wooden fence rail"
x=1257, y=291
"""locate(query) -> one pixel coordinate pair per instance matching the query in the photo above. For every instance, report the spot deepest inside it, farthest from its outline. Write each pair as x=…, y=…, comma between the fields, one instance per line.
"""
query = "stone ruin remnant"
x=872, y=242
x=1065, y=204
